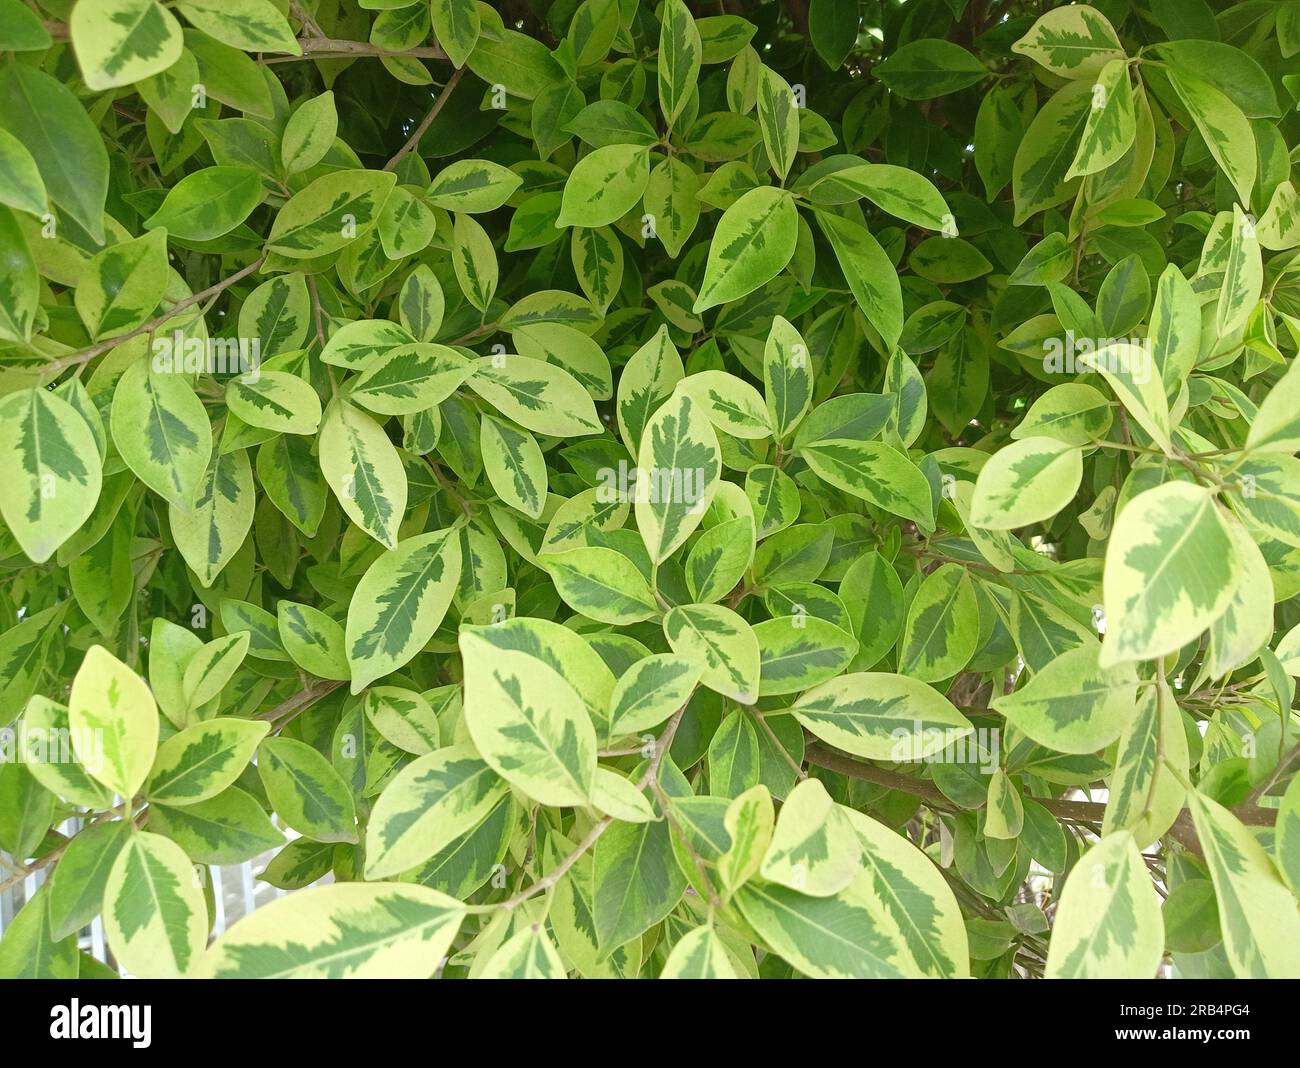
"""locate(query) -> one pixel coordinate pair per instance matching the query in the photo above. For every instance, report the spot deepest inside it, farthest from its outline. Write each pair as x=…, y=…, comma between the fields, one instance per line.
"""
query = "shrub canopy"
x=632, y=489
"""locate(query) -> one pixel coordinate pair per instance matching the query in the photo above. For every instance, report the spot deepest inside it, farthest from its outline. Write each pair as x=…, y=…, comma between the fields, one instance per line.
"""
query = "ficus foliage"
x=616, y=488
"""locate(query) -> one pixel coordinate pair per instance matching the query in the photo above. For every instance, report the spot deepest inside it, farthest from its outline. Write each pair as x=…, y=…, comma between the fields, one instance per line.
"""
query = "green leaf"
x=778, y=116
x=54, y=470
x=252, y=25
x=364, y=471
x=651, y=691
x=293, y=481
x=678, y=468
x=122, y=285
x=833, y=29
x=76, y=892
x=1243, y=276
x=942, y=627
x=208, y=203
x=154, y=914
x=210, y=667
x=924, y=69
x=161, y=430
x=348, y=930
x=530, y=954
x=1145, y=796
x=202, y=760
x=601, y=584
x=472, y=185
x=1038, y=174
x=1110, y=126
x=27, y=950
x=309, y=133
x=647, y=380
x=1256, y=910
x=814, y=848
x=23, y=31
x=528, y=724
x=753, y=242
x=680, y=51
x=870, y=275
x=900, y=192
x=306, y=791
x=21, y=185
x=277, y=313
x=46, y=728
x=719, y=559
x=1027, y=482
x=637, y=882
x=537, y=395
x=617, y=797
x=881, y=716
x=1075, y=41
x=798, y=651
x=514, y=465
x=835, y=937
x=432, y=802
x=1171, y=567
x=873, y=597
x=276, y=401
x=871, y=470
x=1287, y=847
x=721, y=644
x=456, y=25
x=699, y=954
x=1072, y=705
x=787, y=377
x=114, y=722
x=1128, y=371
x=45, y=115
x=209, y=534
x=313, y=639
x=231, y=828
x=671, y=199
x=409, y=378
x=604, y=186
x=1226, y=130
x=403, y=717
x=328, y=214
x=1108, y=923
x=1276, y=426
x=1072, y=413
x=118, y=42
x=913, y=898
x=731, y=404
x=399, y=603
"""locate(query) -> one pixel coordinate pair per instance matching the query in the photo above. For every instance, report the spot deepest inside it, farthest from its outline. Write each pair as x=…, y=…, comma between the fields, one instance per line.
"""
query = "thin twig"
x=314, y=47
x=51, y=856
x=602, y=825
x=1076, y=811
x=300, y=701
x=419, y=131
x=86, y=355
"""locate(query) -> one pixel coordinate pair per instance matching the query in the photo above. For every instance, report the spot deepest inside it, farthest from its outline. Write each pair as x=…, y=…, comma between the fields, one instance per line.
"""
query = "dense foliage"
x=617, y=488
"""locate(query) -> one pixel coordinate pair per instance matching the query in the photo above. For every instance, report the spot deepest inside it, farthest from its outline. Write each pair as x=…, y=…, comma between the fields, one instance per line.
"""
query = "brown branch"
x=414, y=139
x=52, y=855
x=327, y=47
x=300, y=701
x=308, y=23
x=1289, y=761
x=99, y=348
x=1075, y=811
